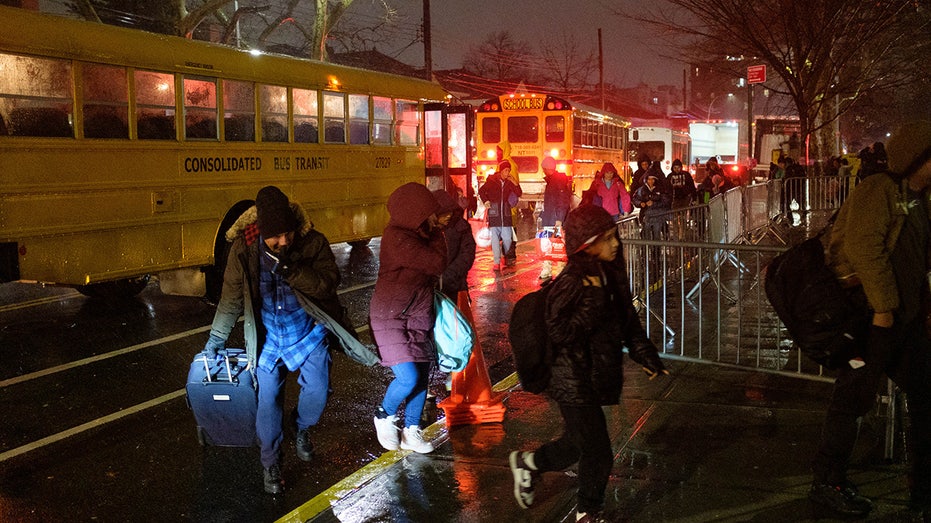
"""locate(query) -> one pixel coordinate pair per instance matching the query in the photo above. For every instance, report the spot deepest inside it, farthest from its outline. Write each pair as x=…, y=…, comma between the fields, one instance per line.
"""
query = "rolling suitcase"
x=222, y=394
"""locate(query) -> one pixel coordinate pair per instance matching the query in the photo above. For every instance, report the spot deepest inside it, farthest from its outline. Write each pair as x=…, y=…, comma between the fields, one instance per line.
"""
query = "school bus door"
x=448, y=149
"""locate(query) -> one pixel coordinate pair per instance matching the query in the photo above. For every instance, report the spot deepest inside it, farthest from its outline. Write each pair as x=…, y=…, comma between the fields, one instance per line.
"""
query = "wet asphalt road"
x=96, y=424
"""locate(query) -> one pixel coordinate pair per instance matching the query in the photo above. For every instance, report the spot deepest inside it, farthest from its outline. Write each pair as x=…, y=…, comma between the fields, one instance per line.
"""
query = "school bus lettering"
x=382, y=162
x=282, y=164
x=311, y=163
x=519, y=104
x=220, y=164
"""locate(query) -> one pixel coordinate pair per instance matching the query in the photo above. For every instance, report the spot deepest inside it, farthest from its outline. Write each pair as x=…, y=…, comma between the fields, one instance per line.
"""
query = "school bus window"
x=334, y=117
x=106, y=101
x=200, y=108
x=555, y=128
x=273, y=102
x=491, y=130
x=35, y=96
x=381, y=120
x=239, y=111
x=358, y=119
x=306, y=125
x=523, y=129
x=408, y=123
x=155, y=105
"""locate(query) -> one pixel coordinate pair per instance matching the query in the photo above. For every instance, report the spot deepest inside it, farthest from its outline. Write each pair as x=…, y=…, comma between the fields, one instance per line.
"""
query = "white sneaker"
x=523, y=478
x=388, y=433
x=412, y=439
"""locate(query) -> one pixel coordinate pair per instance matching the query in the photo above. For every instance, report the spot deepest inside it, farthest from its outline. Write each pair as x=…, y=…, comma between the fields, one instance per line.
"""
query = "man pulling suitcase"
x=278, y=268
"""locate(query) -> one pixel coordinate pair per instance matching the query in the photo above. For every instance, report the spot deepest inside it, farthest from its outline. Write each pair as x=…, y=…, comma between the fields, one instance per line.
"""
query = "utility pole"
x=750, y=122
x=601, y=71
x=427, y=45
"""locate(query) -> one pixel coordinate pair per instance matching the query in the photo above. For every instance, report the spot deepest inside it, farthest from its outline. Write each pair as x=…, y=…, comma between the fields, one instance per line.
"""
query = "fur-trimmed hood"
x=248, y=219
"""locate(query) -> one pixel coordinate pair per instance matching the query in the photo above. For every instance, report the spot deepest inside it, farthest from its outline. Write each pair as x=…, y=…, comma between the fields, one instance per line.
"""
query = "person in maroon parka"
x=412, y=258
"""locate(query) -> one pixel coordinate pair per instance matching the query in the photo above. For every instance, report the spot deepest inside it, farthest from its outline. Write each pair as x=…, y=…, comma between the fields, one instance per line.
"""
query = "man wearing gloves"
x=278, y=263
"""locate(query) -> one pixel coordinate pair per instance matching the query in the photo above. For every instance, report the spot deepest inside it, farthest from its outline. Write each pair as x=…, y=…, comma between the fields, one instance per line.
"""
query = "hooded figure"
x=610, y=193
x=460, y=245
x=557, y=196
x=590, y=318
x=412, y=258
x=682, y=185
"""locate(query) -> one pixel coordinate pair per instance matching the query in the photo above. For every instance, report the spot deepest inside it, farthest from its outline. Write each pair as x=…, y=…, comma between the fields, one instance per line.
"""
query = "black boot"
x=273, y=481
x=304, y=447
x=843, y=499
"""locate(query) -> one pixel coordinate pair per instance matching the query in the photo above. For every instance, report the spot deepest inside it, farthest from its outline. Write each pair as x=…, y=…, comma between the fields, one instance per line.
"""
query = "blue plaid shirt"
x=291, y=333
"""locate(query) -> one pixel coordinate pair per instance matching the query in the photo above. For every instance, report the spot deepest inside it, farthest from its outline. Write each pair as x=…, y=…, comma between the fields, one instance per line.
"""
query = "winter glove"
x=281, y=268
x=214, y=345
x=653, y=366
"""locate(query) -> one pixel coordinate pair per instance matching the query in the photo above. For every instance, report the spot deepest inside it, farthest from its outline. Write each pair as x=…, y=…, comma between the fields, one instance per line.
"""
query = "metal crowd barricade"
x=729, y=242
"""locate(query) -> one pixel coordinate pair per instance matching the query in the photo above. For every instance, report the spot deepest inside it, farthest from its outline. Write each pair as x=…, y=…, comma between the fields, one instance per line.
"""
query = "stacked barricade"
x=700, y=290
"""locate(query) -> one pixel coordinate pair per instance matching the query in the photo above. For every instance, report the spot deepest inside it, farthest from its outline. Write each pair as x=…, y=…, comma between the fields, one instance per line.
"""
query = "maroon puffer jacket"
x=401, y=311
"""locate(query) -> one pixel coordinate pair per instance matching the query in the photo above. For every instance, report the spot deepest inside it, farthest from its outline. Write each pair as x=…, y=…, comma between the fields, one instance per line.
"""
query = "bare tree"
x=314, y=21
x=566, y=64
x=499, y=57
x=824, y=54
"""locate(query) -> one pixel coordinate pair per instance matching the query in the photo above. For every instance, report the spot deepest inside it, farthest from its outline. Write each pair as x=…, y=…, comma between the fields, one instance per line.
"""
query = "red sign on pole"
x=756, y=74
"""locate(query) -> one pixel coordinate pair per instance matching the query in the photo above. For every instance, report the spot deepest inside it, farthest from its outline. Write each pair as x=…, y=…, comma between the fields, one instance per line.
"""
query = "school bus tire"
x=213, y=274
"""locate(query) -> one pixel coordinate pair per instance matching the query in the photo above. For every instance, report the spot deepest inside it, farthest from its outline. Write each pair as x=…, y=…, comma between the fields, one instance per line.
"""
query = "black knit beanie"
x=584, y=224
x=274, y=212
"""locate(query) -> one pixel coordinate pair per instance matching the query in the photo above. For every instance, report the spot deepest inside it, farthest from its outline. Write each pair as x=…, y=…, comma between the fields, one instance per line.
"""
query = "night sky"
x=631, y=52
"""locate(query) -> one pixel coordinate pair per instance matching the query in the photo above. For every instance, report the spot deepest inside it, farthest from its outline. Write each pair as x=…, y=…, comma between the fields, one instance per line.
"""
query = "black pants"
x=585, y=440
x=904, y=354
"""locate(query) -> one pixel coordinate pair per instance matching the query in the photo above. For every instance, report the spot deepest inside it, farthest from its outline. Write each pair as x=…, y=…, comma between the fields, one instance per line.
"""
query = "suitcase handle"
x=209, y=376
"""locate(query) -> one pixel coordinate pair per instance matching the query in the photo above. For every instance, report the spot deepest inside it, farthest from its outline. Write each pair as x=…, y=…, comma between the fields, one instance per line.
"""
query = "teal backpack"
x=452, y=334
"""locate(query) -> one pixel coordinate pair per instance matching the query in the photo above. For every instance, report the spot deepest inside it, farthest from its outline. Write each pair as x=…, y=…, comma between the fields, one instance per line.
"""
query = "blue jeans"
x=409, y=384
x=314, y=381
x=505, y=235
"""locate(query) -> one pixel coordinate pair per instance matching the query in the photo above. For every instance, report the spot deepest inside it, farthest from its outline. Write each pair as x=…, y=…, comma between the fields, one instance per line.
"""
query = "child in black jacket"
x=590, y=318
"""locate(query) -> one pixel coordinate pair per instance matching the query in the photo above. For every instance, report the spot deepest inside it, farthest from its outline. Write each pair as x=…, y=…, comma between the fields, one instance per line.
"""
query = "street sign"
x=756, y=74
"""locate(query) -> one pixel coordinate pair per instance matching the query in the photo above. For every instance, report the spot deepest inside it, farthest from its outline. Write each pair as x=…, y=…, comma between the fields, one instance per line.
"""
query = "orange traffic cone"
x=471, y=399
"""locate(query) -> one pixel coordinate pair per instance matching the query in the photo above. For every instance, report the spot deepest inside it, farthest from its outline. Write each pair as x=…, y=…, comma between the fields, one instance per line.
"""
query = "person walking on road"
x=609, y=192
x=460, y=253
x=412, y=258
x=557, y=195
x=590, y=318
x=499, y=194
x=557, y=198
x=460, y=245
x=277, y=263
x=880, y=246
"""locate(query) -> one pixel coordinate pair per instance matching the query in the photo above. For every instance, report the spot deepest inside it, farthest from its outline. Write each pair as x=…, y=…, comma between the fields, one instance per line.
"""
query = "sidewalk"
x=704, y=444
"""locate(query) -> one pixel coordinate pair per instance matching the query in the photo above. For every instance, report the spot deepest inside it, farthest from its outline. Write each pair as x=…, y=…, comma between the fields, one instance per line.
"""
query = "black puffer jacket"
x=589, y=327
x=460, y=247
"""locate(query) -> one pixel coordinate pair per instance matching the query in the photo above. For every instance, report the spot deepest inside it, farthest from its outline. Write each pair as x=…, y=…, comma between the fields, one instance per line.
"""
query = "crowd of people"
x=282, y=277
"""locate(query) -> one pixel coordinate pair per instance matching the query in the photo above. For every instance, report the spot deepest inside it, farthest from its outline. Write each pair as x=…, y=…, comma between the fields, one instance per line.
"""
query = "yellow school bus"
x=125, y=153
x=531, y=126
